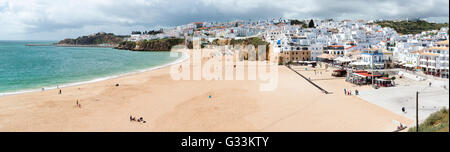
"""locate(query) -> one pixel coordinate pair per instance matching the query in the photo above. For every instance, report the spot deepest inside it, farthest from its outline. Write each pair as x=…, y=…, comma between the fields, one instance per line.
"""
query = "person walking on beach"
x=60, y=92
x=345, y=91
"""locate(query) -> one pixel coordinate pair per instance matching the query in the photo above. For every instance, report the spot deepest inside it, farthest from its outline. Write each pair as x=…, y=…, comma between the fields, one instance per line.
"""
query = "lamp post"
x=417, y=111
x=372, y=64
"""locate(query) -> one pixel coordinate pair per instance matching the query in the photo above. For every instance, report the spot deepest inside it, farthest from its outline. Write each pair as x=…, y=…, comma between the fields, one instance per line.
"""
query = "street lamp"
x=417, y=111
x=372, y=65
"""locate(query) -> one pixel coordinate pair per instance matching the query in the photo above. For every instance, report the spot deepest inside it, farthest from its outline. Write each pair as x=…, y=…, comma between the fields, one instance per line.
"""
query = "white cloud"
x=57, y=19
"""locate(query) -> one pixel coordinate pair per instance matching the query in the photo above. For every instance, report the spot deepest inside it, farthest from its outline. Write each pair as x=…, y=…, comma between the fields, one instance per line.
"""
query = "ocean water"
x=34, y=67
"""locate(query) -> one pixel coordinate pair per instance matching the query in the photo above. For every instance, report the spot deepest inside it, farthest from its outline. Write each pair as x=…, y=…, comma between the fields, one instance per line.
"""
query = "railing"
x=317, y=86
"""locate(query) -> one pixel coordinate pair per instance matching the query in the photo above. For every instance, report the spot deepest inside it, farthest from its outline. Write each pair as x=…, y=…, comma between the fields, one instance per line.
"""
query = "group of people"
x=315, y=72
x=138, y=120
x=400, y=127
x=78, y=104
x=349, y=92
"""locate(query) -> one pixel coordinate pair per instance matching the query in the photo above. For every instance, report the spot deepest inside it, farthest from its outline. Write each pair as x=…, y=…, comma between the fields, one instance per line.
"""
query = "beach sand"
x=184, y=105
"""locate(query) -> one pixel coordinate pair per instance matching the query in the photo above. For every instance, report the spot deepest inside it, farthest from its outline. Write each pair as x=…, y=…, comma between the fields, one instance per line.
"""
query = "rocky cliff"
x=94, y=39
x=150, y=45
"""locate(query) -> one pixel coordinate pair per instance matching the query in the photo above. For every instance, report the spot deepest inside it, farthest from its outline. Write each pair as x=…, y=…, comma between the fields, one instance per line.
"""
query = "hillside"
x=150, y=45
x=255, y=41
x=252, y=41
x=436, y=122
x=411, y=27
x=94, y=39
x=297, y=22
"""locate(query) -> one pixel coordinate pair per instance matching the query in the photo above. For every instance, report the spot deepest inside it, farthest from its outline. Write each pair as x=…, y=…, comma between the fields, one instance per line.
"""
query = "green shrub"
x=436, y=122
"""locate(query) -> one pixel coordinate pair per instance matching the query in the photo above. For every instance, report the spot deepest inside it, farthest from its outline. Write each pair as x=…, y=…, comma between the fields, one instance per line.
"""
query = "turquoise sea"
x=34, y=67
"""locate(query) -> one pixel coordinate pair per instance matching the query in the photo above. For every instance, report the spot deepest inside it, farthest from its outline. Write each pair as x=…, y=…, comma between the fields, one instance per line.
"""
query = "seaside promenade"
x=197, y=105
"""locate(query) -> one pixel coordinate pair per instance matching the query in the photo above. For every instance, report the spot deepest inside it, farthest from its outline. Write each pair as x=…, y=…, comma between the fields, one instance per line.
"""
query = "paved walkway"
x=431, y=99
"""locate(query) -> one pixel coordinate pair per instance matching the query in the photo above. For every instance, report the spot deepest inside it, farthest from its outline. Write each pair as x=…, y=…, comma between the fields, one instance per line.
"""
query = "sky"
x=59, y=19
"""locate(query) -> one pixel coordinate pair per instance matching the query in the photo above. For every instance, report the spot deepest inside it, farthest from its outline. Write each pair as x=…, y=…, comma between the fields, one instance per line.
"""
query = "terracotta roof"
x=443, y=42
x=350, y=47
x=326, y=56
x=336, y=46
x=437, y=48
x=386, y=52
x=417, y=51
x=430, y=54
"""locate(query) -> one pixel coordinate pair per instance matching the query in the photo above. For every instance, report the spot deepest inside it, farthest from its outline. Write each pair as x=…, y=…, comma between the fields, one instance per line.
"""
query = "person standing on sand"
x=60, y=92
x=345, y=91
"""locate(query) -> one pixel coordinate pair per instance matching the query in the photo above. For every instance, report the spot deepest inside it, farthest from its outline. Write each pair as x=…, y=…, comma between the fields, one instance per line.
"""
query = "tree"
x=311, y=24
x=393, y=78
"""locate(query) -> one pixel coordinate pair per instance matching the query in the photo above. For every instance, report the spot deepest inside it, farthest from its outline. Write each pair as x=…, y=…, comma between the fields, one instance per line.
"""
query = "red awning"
x=360, y=71
x=369, y=75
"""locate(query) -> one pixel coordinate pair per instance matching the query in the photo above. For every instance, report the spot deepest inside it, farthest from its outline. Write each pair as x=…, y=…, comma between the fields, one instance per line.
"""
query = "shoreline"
x=171, y=106
x=184, y=56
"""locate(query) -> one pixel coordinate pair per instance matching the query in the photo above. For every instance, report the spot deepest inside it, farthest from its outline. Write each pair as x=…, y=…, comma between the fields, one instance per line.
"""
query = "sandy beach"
x=184, y=105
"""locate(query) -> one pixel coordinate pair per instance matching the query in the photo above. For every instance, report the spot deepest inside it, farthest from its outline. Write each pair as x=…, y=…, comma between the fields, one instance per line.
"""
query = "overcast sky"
x=58, y=19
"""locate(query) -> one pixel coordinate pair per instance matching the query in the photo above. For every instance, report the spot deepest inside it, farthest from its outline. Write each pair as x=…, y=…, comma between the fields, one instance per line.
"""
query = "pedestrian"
x=345, y=91
x=429, y=84
x=60, y=92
